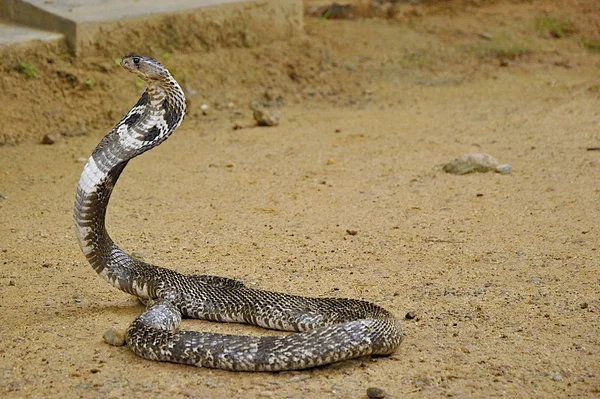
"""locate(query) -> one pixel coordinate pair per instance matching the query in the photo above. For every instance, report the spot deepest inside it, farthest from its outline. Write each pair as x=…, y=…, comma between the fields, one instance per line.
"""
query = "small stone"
x=114, y=337
x=11, y=283
x=266, y=118
x=584, y=305
x=210, y=383
x=330, y=161
x=504, y=169
x=410, y=315
x=534, y=280
x=352, y=232
x=471, y=162
x=375, y=393
x=50, y=139
x=82, y=160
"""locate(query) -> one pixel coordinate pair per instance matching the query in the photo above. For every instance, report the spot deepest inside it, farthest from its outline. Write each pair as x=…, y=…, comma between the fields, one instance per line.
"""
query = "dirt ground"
x=500, y=271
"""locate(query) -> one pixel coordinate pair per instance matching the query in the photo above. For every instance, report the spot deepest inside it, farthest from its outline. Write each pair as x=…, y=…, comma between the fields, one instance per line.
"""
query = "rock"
x=266, y=118
x=504, y=169
x=475, y=162
x=375, y=393
x=352, y=232
x=114, y=337
x=50, y=139
x=534, y=280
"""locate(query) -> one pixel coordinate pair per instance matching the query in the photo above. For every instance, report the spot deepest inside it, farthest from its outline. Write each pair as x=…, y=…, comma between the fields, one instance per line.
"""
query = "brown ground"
x=501, y=271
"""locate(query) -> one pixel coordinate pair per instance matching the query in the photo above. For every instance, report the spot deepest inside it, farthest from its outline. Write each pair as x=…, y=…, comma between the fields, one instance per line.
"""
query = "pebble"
x=266, y=118
x=504, y=169
x=410, y=315
x=552, y=376
x=352, y=232
x=210, y=383
x=375, y=393
x=50, y=139
x=476, y=162
x=114, y=337
x=534, y=280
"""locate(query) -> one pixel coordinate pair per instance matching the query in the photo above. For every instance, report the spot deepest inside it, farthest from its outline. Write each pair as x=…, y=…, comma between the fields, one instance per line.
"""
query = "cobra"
x=324, y=330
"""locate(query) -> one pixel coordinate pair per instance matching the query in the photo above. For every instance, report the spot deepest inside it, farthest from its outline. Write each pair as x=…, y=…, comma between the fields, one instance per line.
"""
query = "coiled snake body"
x=327, y=330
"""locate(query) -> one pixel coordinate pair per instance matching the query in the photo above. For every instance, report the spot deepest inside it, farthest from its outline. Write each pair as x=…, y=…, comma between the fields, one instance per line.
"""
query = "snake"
x=321, y=331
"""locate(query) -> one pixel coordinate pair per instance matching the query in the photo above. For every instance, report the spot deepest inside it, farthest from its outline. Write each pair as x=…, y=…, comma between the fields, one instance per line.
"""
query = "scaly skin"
x=327, y=330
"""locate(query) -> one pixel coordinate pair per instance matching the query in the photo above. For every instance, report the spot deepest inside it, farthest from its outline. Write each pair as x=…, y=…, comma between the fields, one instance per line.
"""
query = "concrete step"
x=117, y=26
x=11, y=33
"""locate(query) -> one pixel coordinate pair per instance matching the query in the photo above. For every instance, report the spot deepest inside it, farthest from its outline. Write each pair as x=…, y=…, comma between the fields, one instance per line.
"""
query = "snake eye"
x=136, y=60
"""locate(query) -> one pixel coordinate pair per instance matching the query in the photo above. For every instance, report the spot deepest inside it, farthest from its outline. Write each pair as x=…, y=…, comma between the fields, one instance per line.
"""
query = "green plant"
x=139, y=82
x=27, y=69
x=90, y=83
x=556, y=27
x=503, y=48
x=591, y=44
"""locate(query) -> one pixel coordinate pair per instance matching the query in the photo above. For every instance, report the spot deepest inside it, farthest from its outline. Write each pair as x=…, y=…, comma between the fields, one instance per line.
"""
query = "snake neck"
x=157, y=114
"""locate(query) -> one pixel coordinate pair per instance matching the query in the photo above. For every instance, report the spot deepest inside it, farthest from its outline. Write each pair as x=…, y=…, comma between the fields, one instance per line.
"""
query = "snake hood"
x=157, y=114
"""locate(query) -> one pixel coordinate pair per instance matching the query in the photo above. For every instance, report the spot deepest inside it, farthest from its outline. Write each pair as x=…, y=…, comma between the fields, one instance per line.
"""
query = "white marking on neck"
x=91, y=177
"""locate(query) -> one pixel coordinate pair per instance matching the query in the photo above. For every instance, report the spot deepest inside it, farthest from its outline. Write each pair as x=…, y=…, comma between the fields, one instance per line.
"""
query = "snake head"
x=148, y=69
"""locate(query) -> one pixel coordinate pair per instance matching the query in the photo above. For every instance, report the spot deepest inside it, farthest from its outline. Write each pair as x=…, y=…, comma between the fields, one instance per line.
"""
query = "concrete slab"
x=114, y=26
x=80, y=11
x=10, y=34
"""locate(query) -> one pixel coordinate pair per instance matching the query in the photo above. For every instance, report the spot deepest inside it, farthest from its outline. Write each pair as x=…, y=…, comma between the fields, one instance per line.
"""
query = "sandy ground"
x=501, y=271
